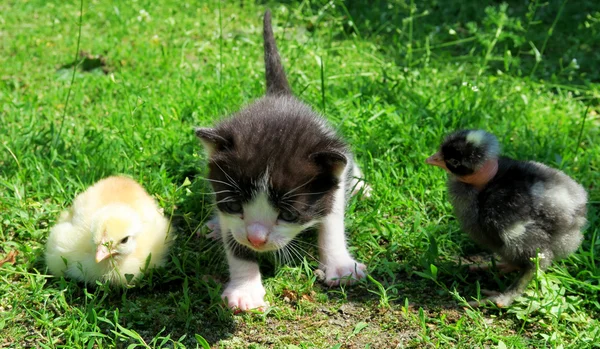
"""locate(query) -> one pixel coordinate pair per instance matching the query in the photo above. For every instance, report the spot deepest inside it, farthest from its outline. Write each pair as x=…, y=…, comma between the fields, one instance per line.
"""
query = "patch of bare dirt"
x=353, y=325
x=88, y=62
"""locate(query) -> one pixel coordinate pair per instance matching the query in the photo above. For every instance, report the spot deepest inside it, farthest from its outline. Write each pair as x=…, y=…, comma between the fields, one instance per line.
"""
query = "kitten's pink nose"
x=257, y=234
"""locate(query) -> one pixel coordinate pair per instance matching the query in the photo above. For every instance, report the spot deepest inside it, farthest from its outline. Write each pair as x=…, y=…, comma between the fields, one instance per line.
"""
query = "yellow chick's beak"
x=436, y=160
x=102, y=252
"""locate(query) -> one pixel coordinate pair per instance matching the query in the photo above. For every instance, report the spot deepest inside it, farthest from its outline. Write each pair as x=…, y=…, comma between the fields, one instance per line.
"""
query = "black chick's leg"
x=516, y=289
x=506, y=298
x=503, y=267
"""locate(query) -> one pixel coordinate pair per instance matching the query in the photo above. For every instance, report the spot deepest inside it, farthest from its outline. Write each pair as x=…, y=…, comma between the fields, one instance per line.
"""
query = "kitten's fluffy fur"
x=277, y=168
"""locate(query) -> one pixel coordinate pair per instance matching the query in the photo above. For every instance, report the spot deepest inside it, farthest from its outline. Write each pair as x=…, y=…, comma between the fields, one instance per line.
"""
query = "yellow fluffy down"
x=113, y=199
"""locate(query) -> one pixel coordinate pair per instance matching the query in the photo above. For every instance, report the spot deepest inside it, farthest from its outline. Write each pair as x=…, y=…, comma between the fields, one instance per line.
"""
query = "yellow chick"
x=110, y=231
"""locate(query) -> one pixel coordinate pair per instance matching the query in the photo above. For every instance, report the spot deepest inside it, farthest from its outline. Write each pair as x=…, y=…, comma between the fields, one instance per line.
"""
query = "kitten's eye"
x=288, y=216
x=233, y=207
x=125, y=239
x=453, y=162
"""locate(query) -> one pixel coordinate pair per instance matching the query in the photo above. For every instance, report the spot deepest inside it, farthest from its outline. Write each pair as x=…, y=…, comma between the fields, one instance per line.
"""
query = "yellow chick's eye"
x=125, y=239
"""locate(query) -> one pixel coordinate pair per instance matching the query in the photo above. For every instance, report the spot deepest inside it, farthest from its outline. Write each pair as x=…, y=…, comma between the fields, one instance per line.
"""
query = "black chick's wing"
x=509, y=212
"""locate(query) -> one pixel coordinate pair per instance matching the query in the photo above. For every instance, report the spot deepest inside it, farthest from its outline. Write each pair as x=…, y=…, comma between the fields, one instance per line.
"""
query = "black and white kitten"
x=277, y=168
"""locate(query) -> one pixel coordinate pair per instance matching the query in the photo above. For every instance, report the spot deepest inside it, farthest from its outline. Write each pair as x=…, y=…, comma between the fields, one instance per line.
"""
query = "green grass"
x=393, y=76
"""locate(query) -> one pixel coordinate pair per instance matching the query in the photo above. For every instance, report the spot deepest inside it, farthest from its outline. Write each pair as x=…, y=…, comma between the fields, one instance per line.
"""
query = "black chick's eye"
x=233, y=207
x=125, y=239
x=453, y=162
x=288, y=216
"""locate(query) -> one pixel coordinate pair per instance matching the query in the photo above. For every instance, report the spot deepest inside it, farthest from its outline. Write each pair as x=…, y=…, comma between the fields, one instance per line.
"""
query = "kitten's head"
x=275, y=169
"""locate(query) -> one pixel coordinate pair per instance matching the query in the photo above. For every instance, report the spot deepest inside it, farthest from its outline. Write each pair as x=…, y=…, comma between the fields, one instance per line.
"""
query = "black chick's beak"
x=436, y=160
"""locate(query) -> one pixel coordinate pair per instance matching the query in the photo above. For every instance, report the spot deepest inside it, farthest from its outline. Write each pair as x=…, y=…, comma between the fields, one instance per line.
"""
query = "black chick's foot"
x=501, y=300
x=503, y=268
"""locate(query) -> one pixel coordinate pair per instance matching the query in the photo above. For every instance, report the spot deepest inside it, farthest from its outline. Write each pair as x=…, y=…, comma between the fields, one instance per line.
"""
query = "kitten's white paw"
x=344, y=272
x=213, y=224
x=366, y=189
x=245, y=296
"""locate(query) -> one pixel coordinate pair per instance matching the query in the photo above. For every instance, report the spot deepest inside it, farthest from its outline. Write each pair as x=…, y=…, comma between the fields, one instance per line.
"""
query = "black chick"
x=517, y=209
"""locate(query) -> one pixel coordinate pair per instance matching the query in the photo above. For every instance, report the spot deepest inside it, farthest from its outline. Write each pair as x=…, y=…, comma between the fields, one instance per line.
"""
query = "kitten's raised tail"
x=277, y=83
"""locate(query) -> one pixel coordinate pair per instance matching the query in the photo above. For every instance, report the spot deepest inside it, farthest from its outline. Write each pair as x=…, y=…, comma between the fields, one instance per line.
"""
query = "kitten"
x=277, y=168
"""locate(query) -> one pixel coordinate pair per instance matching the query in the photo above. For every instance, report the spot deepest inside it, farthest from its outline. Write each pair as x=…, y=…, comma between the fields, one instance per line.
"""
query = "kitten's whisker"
x=290, y=260
x=318, y=215
x=276, y=253
x=290, y=206
x=280, y=252
x=286, y=257
x=218, y=181
x=212, y=246
x=299, y=202
x=292, y=255
x=238, y=247
x=316, y=246
x=298, y=187
x=296, y=253
x=283, y=258
x=223, y=191
x=295, y=195
x=286, y=253
x=233, y=245
x=224, y=200
x=231, y=180
x=305, y=251
x=228, y=243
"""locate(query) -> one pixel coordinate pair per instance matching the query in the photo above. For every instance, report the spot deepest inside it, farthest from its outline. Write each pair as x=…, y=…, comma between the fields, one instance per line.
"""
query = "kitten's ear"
x=333, y=160
x=212, y=140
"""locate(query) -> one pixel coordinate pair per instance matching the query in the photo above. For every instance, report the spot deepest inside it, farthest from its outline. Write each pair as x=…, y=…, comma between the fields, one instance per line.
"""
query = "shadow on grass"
x=553, y=40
